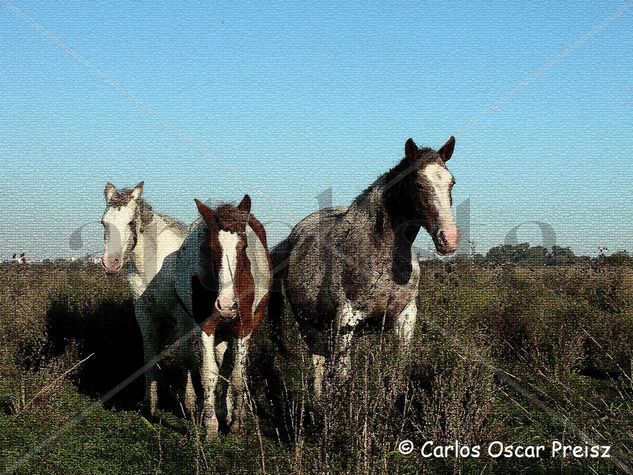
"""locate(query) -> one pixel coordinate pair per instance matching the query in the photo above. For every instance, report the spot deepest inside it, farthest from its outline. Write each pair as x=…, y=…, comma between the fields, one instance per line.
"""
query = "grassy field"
x=510, y=353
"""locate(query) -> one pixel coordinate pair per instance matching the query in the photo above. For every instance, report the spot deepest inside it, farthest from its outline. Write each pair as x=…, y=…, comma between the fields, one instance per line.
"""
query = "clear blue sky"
x=294, y=99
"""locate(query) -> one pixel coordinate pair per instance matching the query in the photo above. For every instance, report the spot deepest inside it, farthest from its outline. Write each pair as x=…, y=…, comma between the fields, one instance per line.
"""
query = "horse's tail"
x=277, y=303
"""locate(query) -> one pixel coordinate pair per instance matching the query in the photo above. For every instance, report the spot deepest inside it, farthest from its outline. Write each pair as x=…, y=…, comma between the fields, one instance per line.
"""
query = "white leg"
x=405, y=324
x=220, y=350
x=209, y=375
x=319, y=371
x=190, y=395
x=346, y=321
x=237, y=385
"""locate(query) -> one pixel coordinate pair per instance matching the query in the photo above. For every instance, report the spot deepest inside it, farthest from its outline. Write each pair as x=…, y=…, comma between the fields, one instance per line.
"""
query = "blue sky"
x=286, y=100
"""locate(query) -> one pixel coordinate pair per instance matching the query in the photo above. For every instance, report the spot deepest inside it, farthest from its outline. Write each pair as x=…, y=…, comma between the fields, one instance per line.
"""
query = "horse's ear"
x=446, y=152
x=138, y=189
x=245, y=204
x=109, y=191
x=410, y=150
x=208, y=215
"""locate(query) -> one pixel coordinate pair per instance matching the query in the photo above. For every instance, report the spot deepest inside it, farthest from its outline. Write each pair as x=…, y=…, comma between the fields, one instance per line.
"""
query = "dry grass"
x=500, y=353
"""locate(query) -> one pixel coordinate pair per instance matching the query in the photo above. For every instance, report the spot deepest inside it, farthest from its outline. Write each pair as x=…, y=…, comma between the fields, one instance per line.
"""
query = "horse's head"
x=227, y=268
x=119, y=223
x=431, y=186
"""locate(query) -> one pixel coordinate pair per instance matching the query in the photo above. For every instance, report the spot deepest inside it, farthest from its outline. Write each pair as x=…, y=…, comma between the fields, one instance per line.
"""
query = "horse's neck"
x=158, y=239
x=388, y=225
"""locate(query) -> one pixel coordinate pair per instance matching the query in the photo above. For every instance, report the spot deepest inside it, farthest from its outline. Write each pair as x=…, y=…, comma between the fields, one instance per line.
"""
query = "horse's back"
x=317, y=223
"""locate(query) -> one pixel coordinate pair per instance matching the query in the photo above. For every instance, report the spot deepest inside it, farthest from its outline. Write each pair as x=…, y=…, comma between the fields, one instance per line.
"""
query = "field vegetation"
x=524, y=353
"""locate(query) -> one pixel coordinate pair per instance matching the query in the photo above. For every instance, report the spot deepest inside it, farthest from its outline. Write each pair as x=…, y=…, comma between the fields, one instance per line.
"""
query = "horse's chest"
x=381, y=295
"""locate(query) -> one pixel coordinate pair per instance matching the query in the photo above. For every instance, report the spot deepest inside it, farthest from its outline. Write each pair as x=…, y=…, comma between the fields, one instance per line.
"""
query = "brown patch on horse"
x=260, y=231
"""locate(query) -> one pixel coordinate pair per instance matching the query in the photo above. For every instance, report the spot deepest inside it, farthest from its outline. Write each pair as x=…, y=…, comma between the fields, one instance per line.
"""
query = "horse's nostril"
x=226, y=305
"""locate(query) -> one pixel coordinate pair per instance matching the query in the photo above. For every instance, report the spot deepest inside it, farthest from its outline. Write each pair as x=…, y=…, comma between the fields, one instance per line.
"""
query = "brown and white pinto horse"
x=229, y=293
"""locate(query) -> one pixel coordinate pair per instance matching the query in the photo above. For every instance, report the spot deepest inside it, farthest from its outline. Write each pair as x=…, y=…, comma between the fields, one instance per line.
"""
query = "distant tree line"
x=524, y=254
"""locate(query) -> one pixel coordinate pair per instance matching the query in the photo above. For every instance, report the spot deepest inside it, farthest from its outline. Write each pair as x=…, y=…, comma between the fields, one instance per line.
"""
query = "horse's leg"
x=405, y=324
x=346, y=321
x=319, y=371
x=145, y=323
x=187, y=331
x=209, y=373
x=319, y=346
x=220, y=351
x=237, y=385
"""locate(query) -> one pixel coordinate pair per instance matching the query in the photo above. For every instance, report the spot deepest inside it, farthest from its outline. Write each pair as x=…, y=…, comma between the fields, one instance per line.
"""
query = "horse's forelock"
x=231, y=219
x=122, y=198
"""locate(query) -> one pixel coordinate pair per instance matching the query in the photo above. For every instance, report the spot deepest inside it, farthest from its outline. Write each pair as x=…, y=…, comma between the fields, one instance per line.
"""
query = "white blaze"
x=228, y=264
x=441, y=179
x=117, y=229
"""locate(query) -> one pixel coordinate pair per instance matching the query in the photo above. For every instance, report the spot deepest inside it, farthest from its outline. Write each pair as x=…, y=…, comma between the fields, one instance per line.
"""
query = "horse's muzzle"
x=111, y=265
x=446, y=239
x=227, y=312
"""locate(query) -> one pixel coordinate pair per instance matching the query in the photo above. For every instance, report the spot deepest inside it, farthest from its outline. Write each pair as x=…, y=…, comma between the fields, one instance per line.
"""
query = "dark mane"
x=230, y=218
x=143, y=208
x=395, y=174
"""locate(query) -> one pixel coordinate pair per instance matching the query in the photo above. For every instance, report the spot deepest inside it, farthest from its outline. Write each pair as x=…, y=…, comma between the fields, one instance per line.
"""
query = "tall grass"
x=518, y=354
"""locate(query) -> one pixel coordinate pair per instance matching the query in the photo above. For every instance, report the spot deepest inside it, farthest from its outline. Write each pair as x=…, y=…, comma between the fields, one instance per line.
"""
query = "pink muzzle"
x=111, y=265
x=447, y=239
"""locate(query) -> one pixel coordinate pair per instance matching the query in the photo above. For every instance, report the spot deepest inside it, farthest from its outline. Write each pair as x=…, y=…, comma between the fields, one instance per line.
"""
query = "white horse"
x=133, y=232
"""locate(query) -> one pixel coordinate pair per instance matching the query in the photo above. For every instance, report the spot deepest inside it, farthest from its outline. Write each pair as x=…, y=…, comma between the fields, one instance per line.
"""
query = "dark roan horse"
x=346, y=268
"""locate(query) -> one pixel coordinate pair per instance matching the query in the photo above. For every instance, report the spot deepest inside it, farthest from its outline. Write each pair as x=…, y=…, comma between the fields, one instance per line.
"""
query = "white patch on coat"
x=405, y=322
x=441, y=179
x=260, y=267
x=228, y=264
x=347, y=317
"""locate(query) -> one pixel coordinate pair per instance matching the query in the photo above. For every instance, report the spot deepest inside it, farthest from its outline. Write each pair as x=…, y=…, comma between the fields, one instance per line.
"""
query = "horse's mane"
x=143, y=209
x=397, y=171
